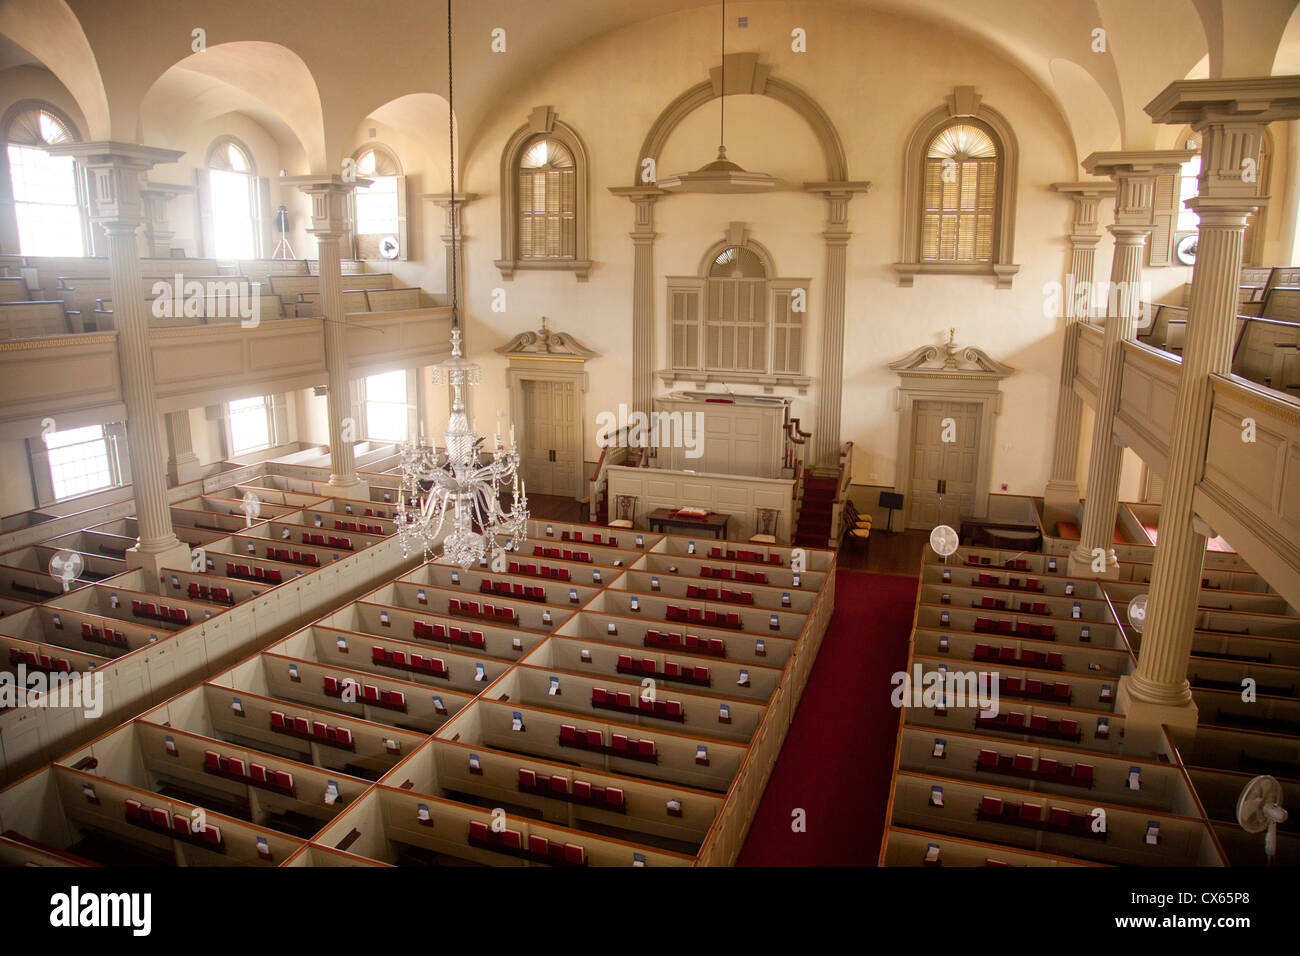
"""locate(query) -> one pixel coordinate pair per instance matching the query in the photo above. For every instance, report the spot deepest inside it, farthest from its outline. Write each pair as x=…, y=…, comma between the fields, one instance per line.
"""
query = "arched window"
x=959, y=214
x=959, y=193
x=234, y=201
x=544, y=198
x=379, y=210
x=548, y=206
x=736, y=321
x=46, y=200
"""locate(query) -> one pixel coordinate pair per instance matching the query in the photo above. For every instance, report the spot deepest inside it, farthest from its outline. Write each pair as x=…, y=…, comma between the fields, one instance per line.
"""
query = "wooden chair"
x=625, y=509
x=857, y=526
x=765, y=524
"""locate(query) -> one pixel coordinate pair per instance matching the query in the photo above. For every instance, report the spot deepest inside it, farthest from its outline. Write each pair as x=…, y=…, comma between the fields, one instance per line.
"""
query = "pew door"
x=945, y=446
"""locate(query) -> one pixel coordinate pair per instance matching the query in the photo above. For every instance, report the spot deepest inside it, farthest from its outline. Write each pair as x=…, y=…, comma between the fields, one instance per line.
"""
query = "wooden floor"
x=899, y=553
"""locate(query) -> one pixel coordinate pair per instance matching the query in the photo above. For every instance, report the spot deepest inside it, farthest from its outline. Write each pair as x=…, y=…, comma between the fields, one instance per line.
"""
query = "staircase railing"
x=843, y=480
x=615, y=452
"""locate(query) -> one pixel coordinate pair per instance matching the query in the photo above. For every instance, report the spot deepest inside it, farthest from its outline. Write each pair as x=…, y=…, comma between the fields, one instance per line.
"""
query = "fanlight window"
x=548, y=202
x=229, y=157
x=959, y=214
x=44, y=186
x=234, y=201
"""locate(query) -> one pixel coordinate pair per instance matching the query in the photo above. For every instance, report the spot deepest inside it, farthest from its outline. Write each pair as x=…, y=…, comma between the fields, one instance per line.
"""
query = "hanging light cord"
x=722, y=113
x=451, y=145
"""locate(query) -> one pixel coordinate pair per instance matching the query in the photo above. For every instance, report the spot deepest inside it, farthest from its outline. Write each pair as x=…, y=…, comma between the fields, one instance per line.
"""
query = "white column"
x=1135, y=175
x=1230, y=115
x=643, y=294
x=328, y=213
x=1061, y=499
x=116, y=170
x=826, y=433
x=182, y=464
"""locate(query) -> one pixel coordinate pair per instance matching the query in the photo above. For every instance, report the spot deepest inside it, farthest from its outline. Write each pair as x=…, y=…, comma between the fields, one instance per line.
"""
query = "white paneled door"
x=945, y=446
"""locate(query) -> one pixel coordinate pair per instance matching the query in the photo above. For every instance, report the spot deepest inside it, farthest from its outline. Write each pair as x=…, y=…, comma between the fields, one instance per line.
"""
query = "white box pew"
x=1254, y=602
x=13, y=289
x=1271, y=680
x=36, y=655
x=17, y=851
x=755, y=682
x=1211, y=578
x=905, y=847
x=96, y=567
x=126, y=599
x=1249, y=751
x=1046, y=769
x=650, y=752
x=554, y=591
x=349, y=509
x=271, y=787
x=692, y=711
x=379, y=698
x=729, y=571
x=1183, y=841
x=1066, y=630
x=208, y=588
x=695, y=613
x=1058, y=607
x=999, y=581
x=256, y=542
x=92, y=542
x=1225, y=708
x=290, y=287
x=743, y=554
x=13, y=606
x=1019, y=684
x=336, y=519
x=772, y=649
x=231, y=565
x=272, y=267
x=1254, y=650
x=1016, y=720
x=320, y=737
x=1247, y=623
x=386, y=657
x=312, y=855
x=1022, y=562
x=62, y=628
x=638, y=807
x=579, y=552
x=436, y=631
x=432, y=825
x=26, y=320
x=959, y=646
x=32, y=585
x=128, y=527
x=1247, y=849
x=272, y=482
x=1219, y=790
x=293, y=528
x=167, y=825
x=712, y=589
x=308, y=304
x=456, y=604
x=393, y=300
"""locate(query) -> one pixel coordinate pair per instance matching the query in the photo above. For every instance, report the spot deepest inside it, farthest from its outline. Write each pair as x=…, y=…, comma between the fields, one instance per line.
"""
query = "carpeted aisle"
x=836, y=760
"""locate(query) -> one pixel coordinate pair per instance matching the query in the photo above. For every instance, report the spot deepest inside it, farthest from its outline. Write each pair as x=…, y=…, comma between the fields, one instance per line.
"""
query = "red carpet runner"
x=838, y=753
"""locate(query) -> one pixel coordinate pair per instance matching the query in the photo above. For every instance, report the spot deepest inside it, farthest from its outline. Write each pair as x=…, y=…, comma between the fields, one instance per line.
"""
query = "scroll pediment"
x=546, y=343
x=951, y=359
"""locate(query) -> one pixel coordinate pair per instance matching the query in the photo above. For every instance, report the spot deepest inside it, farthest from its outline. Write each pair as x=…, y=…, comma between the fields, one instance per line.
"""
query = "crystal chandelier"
x=458, y=488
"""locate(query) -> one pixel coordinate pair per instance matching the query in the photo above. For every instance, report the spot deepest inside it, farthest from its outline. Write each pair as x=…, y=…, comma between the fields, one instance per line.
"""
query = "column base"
x=1081, y=564
x=1143, y=720
x=174, y=556
x=356, y=490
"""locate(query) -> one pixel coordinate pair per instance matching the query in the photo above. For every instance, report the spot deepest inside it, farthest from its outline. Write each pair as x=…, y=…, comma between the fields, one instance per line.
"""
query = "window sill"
x=579, y=267
x=908, y=271
x=769, y=382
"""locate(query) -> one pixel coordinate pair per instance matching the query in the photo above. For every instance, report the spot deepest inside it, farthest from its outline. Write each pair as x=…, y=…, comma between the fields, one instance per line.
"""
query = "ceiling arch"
x=52, y=34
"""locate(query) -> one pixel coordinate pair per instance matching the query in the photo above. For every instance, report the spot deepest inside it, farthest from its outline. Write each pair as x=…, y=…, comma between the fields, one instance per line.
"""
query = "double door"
x=552, y=437
x=945, y=447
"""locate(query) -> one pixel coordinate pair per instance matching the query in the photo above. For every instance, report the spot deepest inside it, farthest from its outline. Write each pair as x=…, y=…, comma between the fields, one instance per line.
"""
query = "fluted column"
x=453, y=236
x=328, y=213
x=643, y=294
x=826, y=433
x=182, y=463
x=116, y=170
x=1231, y=115
x=1135, y=175
x=1061, y=498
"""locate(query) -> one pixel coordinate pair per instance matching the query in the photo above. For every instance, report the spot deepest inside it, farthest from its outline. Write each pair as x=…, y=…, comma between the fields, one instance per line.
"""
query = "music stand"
x=893, y=501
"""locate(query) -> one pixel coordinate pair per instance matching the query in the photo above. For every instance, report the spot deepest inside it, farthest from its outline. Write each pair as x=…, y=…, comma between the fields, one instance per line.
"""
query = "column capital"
x=116, y=169
x=328, y=194
x=1130, y=162
x=1196, y=103
x=1086, y=196
x=1130, y=233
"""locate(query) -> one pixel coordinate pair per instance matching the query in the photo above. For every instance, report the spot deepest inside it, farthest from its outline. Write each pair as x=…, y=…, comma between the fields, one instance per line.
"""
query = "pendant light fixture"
x=721, y=175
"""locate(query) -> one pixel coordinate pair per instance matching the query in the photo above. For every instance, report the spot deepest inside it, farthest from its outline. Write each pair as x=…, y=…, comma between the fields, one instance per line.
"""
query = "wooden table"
x=662, y=518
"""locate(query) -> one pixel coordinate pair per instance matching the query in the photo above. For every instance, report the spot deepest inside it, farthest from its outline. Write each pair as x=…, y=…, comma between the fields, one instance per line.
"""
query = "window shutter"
x=1164, y=214
x=39, y=458
x=203, y=199
x=684, y=326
